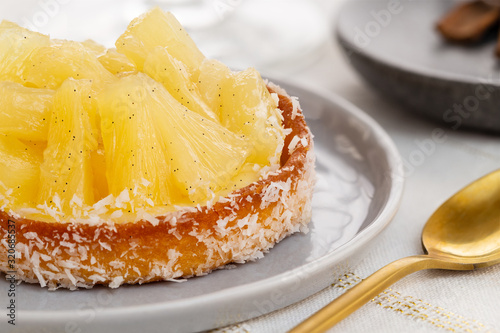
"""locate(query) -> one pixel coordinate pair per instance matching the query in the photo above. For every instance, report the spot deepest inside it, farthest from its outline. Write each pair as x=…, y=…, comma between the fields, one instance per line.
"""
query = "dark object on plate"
x=468, y=22
x=395, y=48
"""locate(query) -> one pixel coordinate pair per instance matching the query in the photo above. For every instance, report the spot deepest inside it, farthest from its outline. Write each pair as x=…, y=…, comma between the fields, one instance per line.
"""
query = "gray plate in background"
x=398, y=51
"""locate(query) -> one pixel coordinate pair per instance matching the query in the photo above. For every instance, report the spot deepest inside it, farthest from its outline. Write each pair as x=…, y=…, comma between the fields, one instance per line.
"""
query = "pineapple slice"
x=212, y=77
x=157, y=28
x=49, y=66
x=98, y=162
x=172, y=73
x=25, y=112
x=246, y=176
x=116, y=63
x=248, y=109
x=135, y=158
x=19, y=171
x=16, y=44
x=5, y=24
x=151, y=139
x=66, y=170
x=94, y=47
x=113, y=61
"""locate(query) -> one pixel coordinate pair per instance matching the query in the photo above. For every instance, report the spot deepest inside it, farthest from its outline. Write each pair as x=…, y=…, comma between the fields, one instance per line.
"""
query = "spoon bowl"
x=462, y=234
x=467, y=226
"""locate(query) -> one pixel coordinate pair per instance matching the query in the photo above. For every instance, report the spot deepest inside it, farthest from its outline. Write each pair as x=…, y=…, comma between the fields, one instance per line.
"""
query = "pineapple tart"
x=142, y=163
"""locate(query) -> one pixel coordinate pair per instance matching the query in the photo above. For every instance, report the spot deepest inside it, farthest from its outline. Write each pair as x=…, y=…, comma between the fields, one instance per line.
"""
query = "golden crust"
x=188, y=242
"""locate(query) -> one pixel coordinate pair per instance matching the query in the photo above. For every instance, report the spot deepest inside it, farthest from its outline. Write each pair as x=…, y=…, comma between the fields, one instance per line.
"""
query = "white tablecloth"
x=428, y=301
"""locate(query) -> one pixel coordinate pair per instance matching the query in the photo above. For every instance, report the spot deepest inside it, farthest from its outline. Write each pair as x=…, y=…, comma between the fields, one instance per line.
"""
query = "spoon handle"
x=370, y=287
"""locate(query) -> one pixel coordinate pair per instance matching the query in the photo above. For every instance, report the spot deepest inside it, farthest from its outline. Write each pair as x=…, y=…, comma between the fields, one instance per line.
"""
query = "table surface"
x=427, y=301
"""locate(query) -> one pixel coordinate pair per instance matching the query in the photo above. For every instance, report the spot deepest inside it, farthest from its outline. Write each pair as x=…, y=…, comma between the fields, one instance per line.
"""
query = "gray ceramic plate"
x=358, y=191
x=395, y=47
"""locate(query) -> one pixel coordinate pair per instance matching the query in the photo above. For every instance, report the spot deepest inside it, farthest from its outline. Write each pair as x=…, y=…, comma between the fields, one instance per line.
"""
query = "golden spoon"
x=463, y=234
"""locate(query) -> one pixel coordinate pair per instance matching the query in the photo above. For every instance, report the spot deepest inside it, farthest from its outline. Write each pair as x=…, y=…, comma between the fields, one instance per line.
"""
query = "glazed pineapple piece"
x=25, y=112
x=135, y=158
x=112, y=60
x=116, y=63
x=66, y=173
x=244, y=106
x=150, y=139
x=158, y=28
x=248, y=109
x=172, y=73
x=98, y=164
x=213, y=75
x=16, y=45
x=94, y=47
x=49, y=66
x=19, y=172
